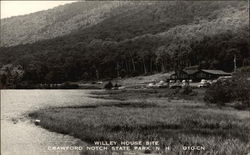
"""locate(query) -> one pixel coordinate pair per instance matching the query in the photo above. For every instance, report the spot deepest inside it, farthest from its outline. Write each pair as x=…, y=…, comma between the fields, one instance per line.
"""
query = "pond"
x=19, y=135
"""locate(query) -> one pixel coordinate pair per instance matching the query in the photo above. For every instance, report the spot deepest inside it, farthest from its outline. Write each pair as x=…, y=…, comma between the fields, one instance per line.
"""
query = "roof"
x=196, y=67
x=176, y=72
x=218, y=72
x=171, y=73
x=190, y=72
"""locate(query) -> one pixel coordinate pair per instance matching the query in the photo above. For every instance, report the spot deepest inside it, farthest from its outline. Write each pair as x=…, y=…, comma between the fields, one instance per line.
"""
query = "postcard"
x=125, y=77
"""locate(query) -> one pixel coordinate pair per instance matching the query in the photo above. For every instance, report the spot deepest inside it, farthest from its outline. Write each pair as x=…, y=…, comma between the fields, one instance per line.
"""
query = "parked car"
x=115, y=88
x=99, y=82
x=184, y=83
x=152, y=85
x=204, y=83
x=214, y=81
x=210, y=82
x=162, y=84
x=121, y=88
x=171, y=81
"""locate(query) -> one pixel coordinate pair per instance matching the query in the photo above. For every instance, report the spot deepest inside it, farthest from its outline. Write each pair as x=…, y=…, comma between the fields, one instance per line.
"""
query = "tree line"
x=209, y=43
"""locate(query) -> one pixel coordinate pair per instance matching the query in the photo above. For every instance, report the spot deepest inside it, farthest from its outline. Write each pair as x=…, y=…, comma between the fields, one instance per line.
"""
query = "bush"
x=109, y=85
x=235, y=90
x=26, y=85
x=134, y=73
x=219, y=93
x=123, y=73
x=186, y=90
x=68, y=85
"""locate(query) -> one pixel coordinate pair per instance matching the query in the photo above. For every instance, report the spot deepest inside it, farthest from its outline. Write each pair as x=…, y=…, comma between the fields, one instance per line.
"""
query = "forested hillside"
x=56, y=22
x=140, y=39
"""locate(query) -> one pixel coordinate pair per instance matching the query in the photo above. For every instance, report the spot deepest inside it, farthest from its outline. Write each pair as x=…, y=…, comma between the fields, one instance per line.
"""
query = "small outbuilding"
x=179, y=75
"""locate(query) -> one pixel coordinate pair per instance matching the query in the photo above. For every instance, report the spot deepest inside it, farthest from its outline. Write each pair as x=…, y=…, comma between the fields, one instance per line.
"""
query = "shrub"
x=219, y=93
x=123, y=73
x=68, y=85
x=186, y=90
x=235, y=90
x=109, y=85
x=134, y=73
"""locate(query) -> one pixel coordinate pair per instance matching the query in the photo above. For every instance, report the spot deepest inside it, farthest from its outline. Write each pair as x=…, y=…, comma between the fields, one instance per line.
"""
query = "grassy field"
x=165, y=115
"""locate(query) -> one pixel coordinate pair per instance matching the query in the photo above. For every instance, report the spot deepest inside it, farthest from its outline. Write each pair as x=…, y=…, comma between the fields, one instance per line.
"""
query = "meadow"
x=165, y=115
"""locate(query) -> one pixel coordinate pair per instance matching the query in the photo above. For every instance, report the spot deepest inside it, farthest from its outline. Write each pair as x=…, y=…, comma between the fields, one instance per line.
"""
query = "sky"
x=15, y=8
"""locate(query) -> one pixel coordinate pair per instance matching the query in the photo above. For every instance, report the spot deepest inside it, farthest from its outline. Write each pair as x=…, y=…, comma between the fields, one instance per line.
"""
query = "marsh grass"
x=122, y=95
x=172, y=122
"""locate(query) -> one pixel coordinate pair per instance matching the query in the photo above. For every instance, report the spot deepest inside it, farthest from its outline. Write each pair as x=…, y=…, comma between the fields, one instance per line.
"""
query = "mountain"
x=56, y=22
x=136, y=38
x=135, y=17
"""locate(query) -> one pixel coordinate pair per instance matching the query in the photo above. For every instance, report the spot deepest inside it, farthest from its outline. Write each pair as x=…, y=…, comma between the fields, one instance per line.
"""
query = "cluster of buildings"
x=197, y=74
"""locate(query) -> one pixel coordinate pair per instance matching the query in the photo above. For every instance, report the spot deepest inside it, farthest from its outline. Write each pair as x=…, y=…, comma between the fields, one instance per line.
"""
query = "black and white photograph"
x=125, y=77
